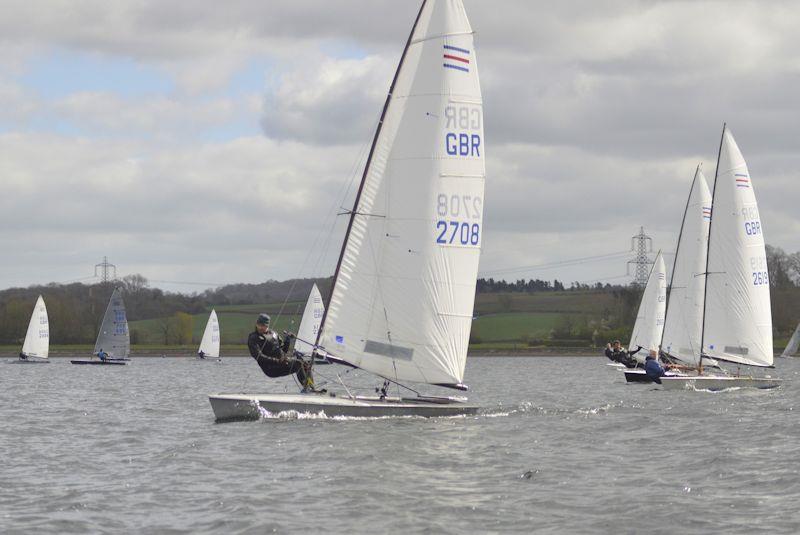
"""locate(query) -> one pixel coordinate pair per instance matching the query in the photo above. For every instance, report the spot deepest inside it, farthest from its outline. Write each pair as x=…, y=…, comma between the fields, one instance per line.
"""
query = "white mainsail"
x=209, y=344
x=649, y=324
x=402, y=300
x=309, y=323
x=684, y=315
x=37, y=339
x=738, y=319
x=794, y=343
x=113, y=337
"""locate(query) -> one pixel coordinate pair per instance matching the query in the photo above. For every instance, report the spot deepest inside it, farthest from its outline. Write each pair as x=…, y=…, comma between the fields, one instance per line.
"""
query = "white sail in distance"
x=794, y=343
x=738, y=318
x=209, y=344
x=684, y=315
x=310, y=322
x=113, y=337
x=402, y=299
x=37, y=338
x=649, y=324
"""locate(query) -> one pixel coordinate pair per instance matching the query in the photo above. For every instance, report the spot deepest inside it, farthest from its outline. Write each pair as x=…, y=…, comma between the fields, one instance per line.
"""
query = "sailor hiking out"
x=617, y=353
x=269, y=350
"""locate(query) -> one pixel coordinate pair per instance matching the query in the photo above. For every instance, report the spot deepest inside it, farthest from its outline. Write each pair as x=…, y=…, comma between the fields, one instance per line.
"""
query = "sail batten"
x=402, y=298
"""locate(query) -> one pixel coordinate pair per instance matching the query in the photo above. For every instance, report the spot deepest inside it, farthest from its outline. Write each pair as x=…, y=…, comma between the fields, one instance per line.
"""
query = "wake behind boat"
x=403, y=291
x=113, y=345
x=36, y=348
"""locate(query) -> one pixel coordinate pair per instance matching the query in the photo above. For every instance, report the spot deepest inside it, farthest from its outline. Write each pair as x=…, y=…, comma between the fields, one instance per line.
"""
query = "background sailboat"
x=36, y=347
x=113, y=338
x=650, y=318
x=737, y=319
x=684, y=313
x=308, y=331
x=794, y=343
x=403, y=291
x=209, y=344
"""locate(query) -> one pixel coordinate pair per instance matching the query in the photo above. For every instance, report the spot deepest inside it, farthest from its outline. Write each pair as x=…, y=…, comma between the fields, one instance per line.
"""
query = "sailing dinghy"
x=36, y=347
x=113, y=338
x=403, y=290
x=794, y=343
x=309, y=328
x=209, y=344
x=649, y=324
x=680, y=338
x=736, y=325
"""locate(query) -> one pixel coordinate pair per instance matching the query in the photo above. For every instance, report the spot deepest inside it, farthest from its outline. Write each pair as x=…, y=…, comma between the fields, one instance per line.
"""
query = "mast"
x=677, y=252
x=708, y=255
x=354, y=212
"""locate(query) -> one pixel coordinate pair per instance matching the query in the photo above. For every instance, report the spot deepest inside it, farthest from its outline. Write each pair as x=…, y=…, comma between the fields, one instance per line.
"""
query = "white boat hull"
x=716, y=383
x=29, y=360
x=229, y=407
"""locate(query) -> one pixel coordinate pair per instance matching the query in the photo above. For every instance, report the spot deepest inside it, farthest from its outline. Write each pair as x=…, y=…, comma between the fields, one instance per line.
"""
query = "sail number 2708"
x=459, y=220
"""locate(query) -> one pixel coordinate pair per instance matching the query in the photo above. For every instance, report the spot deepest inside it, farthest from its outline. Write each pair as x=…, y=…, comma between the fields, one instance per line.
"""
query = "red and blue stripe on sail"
x=742, y=180
x=456, y=58
x=707, y=212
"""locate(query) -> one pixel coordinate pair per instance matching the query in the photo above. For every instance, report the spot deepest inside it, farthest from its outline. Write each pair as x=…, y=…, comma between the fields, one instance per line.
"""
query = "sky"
x=201, y=143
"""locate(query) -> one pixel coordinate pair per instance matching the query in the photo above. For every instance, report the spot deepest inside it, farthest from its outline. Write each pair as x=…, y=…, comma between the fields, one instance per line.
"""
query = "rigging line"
x=560, y=263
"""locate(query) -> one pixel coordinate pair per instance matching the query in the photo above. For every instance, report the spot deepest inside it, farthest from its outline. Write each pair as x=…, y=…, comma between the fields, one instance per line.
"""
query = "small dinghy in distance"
x=736, y=323
x=309, y=327
x=113, y=338
x=36, y=347
x=209, y=344
x=793, y=345
x=403, y=291
x=649, y=324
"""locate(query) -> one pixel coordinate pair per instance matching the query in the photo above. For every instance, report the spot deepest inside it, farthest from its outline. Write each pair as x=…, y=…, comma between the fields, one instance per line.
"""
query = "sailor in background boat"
x=617, y=353
x=102, y=355
x=201, y=354
x=653, y=369
x=269, y=350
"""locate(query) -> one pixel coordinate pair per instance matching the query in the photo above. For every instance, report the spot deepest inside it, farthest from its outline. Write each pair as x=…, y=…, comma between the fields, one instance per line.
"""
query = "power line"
x=559, y=263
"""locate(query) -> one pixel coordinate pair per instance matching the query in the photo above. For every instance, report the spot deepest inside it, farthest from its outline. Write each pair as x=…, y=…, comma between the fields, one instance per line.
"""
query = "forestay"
x=209, y=344
x=309, y=323
x=649, y=324
x=738, y=319
x=37, y=339
x=402, y=300
x=684, y=314
x=114, y=338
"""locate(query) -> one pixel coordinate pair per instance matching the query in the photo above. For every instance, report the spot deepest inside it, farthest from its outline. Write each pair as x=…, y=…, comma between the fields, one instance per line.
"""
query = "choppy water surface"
x=564, y=445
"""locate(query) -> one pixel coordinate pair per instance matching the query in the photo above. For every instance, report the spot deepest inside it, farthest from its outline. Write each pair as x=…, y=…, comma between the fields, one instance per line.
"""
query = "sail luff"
x=708, y=248
x=364, y=175
x=794, y=343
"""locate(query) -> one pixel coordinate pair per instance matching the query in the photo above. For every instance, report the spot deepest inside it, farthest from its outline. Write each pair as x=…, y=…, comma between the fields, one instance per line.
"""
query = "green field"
x=514, y=327
x=236, y=323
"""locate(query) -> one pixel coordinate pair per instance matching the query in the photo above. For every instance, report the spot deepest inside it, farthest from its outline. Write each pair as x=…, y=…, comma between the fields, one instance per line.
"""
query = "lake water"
x=563, y=445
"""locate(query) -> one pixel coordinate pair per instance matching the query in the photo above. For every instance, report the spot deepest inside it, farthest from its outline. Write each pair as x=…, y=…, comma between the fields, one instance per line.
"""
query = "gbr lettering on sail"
x=459, y=203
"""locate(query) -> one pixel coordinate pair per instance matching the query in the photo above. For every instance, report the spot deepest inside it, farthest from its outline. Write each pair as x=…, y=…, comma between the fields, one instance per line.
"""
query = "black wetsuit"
x=268, y=349
x=622, y=356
